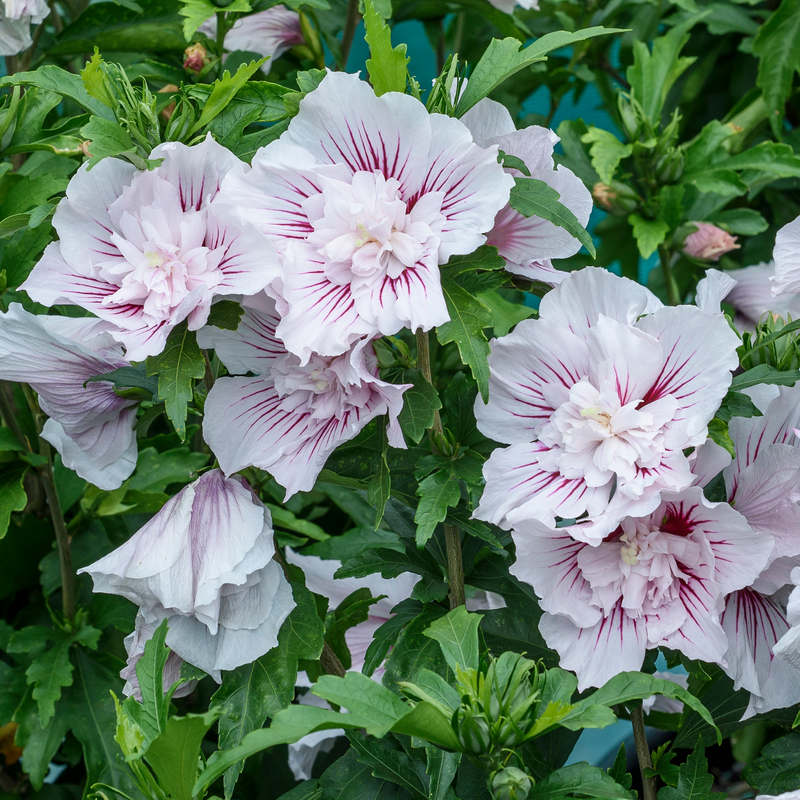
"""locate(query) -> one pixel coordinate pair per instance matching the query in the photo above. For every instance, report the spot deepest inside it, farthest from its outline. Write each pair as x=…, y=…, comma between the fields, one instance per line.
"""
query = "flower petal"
x=539, y=355
x=787, y=259
x=596, y=654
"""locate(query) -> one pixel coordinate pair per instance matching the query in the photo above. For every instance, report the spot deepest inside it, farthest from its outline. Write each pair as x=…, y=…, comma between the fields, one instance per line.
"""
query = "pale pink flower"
x=269, y=33
x=134, y=646
x=763, y=483
x=90, y=426
x=292, y=415
x=658, y=580
x=795, y=795
x=788, y=646
x=146, y=250
x=709, y=242
x=787, y=260
x=205, y=564
x=365, y=197
x=529, y=244
x=598, y=399
x=752, y=296
x=16, y=17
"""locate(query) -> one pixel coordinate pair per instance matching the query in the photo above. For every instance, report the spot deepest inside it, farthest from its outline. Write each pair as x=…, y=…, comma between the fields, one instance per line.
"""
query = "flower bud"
x=473, y=732
x=669, y=166
x=196, y=58
x=511, y=783
x=630, y=122
x=617, y=198
x=181, y=121
x=708, y=242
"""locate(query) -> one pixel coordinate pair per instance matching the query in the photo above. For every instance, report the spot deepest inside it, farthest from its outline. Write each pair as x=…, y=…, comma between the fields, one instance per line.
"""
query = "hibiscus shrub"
x=365, y=437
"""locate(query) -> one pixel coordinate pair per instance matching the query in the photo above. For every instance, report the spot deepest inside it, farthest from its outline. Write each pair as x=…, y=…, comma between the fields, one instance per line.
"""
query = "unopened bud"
x=473, y=732
x=616, y=198
x=708, y=242
x=669, y=166
x=196, y=57
x=630, y=123
x=511, y=784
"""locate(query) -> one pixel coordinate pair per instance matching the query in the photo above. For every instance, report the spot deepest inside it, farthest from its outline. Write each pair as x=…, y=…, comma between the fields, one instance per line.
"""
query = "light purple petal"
x=787, y=259
x=487, y=120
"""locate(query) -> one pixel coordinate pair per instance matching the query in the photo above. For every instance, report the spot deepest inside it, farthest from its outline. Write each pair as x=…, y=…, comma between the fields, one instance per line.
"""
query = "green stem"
x=350, y=24
x=452, y=535
x=222, y=30
x=673, y=298
x=643, y=752
x=56, y=514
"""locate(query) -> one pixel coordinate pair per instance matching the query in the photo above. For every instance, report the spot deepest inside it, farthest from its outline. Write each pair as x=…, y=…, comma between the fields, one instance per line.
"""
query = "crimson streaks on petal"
x=364, y=197
x=147, y=250
x=291, y=416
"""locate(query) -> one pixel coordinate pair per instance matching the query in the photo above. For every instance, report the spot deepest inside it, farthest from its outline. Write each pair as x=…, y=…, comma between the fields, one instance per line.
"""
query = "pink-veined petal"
x=700, y=355
x=537, y=354
x=547, y=560
x=596, y=654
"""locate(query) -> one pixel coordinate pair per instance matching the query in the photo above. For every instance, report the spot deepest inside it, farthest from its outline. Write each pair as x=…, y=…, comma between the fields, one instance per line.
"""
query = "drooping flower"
x=529, y=244
x=709, y=242
x=146, y=250
x=205, y=563
x=763, y=484
x=319, y=574
x=16, y=17
x=90, y=426
x=269, y=33
x=752, y=296
x=291, y=416
x=598, y=399
x=509, y=5
x=787, y=260
x=657, y=580
x=134, y=646
x=365, y=197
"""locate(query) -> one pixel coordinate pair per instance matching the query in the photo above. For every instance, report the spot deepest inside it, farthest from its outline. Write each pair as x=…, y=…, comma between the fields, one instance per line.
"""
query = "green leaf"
x=156, y=471
x=468, y=318
x=441, y=768
x=92, y=716
x=629, y=686
x=505, y=314
x=49, y=673
x=485, y=257
x=151, y=714
x=718, y=433
x=736, y=404
x=196, y=12
x=387, y=66
x=107, y=139
x=21, y=253
x=694, y=782
x=380, y=485
x=377, y=707
x=764, y=374
x=180, y=362
x=349, y=779
x=223, y=91
x=437, y=493
x=420, y=404
x=457, y=634
x=67, y=84
x=580, y=779
x=175, y=754
x=652, y=75
x=12, y=494
x=649, y=233
x=532, y=197
x=225, y=314
x=777, y=45
x=156, y=29
x=352, y=611
x=777, y=769
x=505, y=57
x=606, y=152
x=426, y=721
x=745, y=221
x=386, y=635
x=391, y=763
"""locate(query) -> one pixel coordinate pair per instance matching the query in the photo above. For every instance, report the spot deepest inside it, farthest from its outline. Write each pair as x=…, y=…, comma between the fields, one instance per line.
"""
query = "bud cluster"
x=782, y=353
